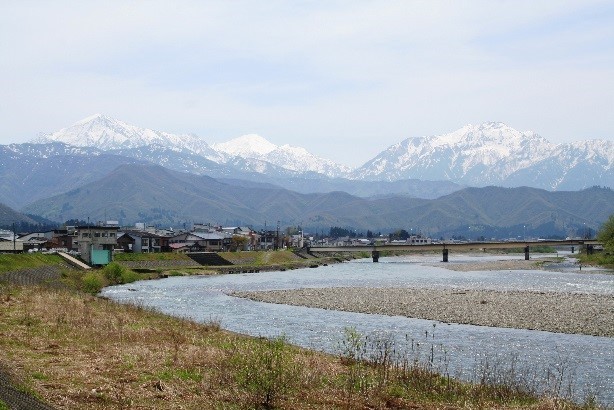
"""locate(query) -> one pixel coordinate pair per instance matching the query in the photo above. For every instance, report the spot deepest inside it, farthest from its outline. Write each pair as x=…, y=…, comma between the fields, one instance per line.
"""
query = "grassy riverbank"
x=235, y=262
x=598, y=259
x=74, y=350
x=12, y=262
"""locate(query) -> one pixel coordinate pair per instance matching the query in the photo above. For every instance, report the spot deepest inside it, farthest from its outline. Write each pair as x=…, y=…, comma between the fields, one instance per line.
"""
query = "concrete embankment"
x=43, y=275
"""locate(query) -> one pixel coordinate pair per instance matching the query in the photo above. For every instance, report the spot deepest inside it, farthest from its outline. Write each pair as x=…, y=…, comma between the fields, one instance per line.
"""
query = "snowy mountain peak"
x=107, y=134
x=492, y=153
x=246, y=146
x=93, y=118
x=104, y=133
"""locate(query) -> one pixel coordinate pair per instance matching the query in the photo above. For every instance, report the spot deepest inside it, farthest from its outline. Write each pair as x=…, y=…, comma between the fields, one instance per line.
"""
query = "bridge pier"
x=375, y=256
x=445, y=255
x=526, y=253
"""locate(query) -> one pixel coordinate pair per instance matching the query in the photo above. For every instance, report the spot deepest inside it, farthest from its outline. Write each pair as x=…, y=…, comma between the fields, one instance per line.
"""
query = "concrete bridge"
x=445, y=247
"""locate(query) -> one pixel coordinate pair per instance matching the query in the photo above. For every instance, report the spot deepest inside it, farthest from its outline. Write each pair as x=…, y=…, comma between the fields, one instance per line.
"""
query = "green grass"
x=601, y=259
x=180, y=374
x=13, y=262
x=39, y=376
x=257, y=259
x=92, y=281
x=3, y=406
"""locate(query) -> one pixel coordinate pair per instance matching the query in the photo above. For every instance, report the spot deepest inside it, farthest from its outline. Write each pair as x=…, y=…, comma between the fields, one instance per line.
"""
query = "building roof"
x=179, y=245
x=92, y=227
x=210, y=235
x=143, y=234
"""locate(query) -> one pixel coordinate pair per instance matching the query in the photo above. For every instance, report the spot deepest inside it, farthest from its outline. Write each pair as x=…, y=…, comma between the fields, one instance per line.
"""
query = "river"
x=572, y=365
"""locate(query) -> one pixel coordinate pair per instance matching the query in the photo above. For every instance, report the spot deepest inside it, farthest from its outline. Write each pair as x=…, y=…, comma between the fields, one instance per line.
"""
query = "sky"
x=343, y=79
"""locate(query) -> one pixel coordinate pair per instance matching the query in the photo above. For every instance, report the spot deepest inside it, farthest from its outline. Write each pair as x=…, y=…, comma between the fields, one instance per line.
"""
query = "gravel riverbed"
x=579, y=313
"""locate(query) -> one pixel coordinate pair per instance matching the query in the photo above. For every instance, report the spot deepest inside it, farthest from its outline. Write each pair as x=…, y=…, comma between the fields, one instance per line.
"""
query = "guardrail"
x=446, y=246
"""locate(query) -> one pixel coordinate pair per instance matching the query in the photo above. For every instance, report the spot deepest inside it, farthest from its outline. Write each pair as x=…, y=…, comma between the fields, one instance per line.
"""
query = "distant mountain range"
x=153, y=194
x=495, y=154
x=101, y=168
x=9, y=216
x=108, y=134
x=487, y=154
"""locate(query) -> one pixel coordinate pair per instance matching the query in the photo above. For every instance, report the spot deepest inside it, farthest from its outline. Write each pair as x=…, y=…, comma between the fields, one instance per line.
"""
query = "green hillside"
x=152, y=194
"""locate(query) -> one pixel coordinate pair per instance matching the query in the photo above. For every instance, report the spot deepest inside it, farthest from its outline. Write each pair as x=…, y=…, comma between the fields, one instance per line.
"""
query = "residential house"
x=419, y=240
x=96, y=243
x=202, y=241
x=63, y=238
x=143, y=242
x=10, y=244
x=269, y=240
x=251, y=237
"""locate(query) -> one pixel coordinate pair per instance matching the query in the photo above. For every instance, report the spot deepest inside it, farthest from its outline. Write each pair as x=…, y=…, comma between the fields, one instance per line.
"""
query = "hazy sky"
x=344, y=79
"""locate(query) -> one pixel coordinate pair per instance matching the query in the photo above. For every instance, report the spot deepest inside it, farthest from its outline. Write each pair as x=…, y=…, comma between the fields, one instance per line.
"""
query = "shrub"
x=129, y=276
x=268, y=370
x=113, y=272
x=93, y=282
x=118, y=274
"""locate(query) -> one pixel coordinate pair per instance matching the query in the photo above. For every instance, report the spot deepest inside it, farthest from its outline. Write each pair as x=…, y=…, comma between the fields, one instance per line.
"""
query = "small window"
x=96, y=234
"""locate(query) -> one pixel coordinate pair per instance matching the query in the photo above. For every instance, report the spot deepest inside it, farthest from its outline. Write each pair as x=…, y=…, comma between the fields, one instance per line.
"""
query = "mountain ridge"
x=29, y=172
x=153, y=194
x=491, y=153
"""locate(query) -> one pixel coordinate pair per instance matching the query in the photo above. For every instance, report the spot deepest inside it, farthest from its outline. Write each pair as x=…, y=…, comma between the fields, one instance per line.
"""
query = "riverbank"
x=225, y=262
x=72, y=351
x=553, y=312
x=551, y=263
x=572, y=313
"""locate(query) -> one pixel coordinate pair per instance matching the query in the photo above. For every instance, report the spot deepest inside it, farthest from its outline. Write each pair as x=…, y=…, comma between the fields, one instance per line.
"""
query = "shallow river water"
x=574, y=365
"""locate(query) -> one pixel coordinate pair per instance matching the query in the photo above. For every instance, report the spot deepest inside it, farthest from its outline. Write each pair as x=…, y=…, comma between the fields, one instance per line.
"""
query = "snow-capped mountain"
x=246, y=146
x=105, y=133
x=108, y=134
x=296, y=159
x=491, y=153
x=495, y=154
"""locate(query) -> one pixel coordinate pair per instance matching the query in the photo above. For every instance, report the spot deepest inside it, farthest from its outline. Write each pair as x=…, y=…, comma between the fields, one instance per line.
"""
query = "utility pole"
x=277, y=240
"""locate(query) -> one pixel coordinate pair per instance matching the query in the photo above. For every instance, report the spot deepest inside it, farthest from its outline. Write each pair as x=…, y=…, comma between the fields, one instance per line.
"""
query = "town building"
x=96, y=243
x=200, y=242
x=143, y=242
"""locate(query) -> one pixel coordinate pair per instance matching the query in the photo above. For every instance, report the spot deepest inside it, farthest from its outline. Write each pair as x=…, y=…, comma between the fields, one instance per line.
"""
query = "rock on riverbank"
x=555, y=312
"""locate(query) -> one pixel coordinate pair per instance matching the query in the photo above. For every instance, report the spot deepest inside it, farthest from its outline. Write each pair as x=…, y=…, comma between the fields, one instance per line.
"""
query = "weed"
x=378, y=365
x=267, y=370
x=93, y=282
x=180, y=374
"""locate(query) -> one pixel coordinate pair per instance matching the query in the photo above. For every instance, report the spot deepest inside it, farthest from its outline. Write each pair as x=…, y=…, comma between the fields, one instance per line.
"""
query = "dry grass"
x=77, y=351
